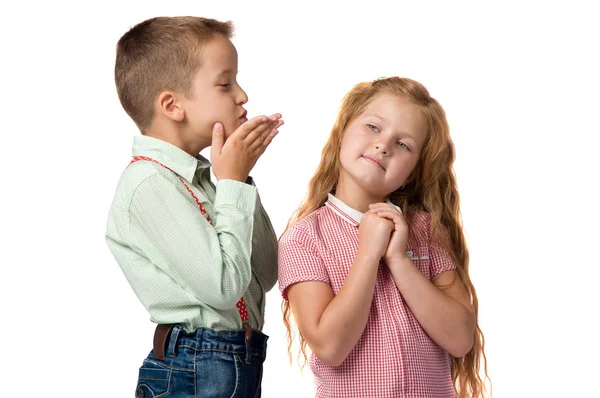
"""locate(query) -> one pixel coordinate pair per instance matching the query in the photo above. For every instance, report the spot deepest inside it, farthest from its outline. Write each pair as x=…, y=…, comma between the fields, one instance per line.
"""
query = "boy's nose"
x=242, y=97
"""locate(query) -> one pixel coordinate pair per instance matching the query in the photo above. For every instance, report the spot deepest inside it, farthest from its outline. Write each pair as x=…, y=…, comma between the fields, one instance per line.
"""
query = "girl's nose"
x=381, y=148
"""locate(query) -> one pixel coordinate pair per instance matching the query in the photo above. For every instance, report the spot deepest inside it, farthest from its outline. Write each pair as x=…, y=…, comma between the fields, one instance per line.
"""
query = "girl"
x=374, y=264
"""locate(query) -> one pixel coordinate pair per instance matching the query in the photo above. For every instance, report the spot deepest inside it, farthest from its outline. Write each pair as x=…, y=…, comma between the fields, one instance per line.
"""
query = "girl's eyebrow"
x=379, y=117
x=401, y=132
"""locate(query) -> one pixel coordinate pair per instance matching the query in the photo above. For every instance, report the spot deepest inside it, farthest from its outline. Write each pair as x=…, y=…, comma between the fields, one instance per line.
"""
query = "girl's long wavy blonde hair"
x=431, y=188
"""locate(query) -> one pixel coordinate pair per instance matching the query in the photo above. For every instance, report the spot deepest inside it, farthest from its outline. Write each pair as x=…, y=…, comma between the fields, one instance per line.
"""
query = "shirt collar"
x=171, y=156
x=346, y=212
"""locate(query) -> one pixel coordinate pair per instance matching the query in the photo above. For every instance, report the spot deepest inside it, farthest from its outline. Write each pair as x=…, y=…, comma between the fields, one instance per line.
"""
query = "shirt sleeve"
x=264, y=257
x=299, y=259
x=210, y=263
x=440, y=259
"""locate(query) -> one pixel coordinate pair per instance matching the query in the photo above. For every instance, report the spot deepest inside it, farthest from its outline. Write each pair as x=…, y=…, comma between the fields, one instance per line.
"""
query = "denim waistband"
x=203, y=339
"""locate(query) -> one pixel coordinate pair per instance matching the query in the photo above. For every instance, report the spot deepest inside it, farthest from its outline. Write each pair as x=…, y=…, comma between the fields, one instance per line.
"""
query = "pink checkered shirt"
x=394, y=357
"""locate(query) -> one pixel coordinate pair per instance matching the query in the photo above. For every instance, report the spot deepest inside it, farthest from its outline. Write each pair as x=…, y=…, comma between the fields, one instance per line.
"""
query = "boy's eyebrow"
x=226, y=72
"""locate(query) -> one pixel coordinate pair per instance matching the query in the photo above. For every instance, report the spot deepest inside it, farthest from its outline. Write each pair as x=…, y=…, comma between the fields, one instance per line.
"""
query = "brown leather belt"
x=161, y=339
x=163, y=331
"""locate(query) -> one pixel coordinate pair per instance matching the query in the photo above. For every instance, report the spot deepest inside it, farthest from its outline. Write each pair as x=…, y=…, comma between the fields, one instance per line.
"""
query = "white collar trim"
x=346, y=212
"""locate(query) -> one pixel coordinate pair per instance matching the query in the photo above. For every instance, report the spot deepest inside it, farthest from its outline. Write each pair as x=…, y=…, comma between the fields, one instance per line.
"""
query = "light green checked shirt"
x=182, y=269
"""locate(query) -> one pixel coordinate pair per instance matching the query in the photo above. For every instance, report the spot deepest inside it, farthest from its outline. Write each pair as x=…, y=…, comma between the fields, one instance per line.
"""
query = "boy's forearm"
x=265, y=265
x=210, y=263
x=447, y=322
x=235, y=206
x=266, y=269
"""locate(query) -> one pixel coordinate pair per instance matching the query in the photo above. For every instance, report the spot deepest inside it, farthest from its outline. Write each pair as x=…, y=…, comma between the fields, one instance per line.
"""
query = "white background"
x=519, y=82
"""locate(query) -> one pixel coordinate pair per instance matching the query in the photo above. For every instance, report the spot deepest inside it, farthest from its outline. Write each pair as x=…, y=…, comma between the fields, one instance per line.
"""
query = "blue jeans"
x=203, y=364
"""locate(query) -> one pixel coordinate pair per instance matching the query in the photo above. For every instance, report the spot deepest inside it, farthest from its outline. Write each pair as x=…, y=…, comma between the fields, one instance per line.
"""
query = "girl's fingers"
x=380, y=206
x=392, y=216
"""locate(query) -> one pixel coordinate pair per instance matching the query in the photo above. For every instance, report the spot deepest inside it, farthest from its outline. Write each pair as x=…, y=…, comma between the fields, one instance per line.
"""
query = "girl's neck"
x=355, y=196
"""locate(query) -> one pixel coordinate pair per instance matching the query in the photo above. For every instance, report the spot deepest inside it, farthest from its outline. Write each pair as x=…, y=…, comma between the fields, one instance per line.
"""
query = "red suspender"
x=241, y=304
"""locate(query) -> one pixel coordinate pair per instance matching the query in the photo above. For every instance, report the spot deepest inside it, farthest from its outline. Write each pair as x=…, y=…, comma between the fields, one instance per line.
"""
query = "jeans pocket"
x=218, y=374
x=153, y=381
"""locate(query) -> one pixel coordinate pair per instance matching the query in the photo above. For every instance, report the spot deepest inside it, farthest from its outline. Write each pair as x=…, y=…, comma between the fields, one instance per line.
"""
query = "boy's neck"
x=174, y=135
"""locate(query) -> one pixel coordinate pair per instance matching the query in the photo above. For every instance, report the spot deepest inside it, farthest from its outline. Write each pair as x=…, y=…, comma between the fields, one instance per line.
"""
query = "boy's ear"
x=169, y=105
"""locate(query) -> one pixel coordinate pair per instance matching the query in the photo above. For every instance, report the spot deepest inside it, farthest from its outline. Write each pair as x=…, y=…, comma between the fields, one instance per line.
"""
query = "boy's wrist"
x=237, y=194
x=234, y=177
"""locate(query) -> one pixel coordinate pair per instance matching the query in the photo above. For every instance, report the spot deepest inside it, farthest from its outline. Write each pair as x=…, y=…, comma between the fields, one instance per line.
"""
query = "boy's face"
x=216, y=95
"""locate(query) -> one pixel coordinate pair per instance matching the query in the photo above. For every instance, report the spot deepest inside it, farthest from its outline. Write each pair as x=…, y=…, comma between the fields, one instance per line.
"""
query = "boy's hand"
x=233, y=159
x=397, y=246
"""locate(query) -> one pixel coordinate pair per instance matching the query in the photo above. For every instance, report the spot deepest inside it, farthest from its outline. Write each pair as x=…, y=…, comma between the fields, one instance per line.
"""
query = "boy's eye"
x=226, y=85
x=372, y=127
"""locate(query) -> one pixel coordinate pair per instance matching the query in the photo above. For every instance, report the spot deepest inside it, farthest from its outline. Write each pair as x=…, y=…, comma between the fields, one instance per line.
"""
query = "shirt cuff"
x=236, y=194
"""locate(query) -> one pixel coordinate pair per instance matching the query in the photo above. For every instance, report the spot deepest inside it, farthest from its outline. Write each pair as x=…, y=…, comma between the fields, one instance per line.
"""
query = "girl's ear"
x=408, y=180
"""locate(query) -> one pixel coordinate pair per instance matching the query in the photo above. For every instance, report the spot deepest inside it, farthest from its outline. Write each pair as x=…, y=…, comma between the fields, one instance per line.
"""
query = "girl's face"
x=381, y=147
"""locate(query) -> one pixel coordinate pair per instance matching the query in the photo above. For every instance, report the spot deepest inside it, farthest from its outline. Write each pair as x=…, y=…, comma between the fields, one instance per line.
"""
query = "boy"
x=199, y=257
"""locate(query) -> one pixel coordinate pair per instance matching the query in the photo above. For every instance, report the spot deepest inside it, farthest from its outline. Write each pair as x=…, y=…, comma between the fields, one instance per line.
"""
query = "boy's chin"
x=230, y=128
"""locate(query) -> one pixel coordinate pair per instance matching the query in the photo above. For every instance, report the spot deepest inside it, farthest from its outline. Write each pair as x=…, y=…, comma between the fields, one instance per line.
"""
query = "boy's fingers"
x=261, y=129
x=258, y=132
x=279, y=124
x=259, y=141
x=217, y=140
x=249, y=126
x=265, y=139
x=268, y=140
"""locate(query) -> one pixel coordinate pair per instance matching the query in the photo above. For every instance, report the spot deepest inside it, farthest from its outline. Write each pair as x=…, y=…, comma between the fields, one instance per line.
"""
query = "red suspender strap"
x=241, y=304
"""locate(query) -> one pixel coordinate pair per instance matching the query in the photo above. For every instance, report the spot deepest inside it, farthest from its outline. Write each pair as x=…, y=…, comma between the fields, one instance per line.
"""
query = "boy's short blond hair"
x=162, y=53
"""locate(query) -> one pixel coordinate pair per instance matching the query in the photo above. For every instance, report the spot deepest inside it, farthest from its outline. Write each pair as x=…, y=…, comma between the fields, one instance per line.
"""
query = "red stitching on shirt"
x=241, y=304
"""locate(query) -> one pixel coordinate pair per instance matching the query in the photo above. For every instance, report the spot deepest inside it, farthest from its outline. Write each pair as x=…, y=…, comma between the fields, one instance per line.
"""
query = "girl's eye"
x=227, y=85
x=372, y=128
x=402, y=145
